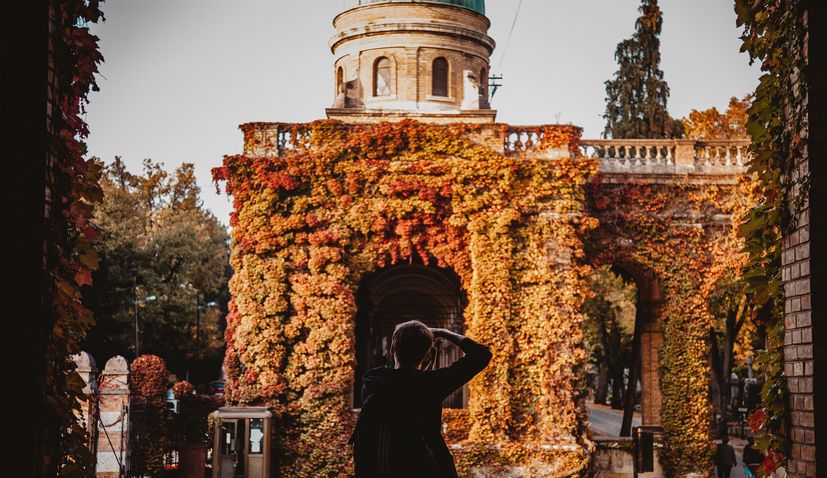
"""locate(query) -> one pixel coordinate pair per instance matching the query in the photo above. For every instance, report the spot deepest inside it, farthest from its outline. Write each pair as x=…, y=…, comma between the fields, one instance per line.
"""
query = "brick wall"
x=804, y=251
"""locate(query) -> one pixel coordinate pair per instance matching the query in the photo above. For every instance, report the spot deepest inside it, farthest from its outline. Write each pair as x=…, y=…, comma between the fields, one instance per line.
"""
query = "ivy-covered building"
x=411, y=201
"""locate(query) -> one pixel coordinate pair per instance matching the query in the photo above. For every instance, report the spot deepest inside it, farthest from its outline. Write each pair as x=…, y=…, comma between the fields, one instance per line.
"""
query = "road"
x=605, y=421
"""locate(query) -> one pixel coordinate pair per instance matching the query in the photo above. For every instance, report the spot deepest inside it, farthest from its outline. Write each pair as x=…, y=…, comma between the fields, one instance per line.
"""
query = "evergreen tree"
x=636, y=96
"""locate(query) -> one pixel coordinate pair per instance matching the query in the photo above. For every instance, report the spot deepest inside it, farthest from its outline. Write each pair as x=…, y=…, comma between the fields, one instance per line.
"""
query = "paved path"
x=605, y=421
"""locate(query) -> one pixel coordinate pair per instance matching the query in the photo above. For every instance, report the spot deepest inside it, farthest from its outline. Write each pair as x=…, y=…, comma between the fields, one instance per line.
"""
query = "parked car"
x=216, y=388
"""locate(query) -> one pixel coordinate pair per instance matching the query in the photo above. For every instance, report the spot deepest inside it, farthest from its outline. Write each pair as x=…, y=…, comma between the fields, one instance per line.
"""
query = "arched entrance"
x=624, y=340
x=398, y=294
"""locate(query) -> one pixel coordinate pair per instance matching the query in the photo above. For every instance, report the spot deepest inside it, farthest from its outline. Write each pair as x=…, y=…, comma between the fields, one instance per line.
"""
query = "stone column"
x=88, y=371
x=113, y=426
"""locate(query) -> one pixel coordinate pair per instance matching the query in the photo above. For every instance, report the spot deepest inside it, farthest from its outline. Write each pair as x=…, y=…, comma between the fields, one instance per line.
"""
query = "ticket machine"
x=241, y=446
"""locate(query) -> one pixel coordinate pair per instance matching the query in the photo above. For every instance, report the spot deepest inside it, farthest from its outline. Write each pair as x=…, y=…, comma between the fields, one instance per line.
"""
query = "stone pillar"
x=113, y=426
x=684, y=155
x=470, y=91
x=88, y=371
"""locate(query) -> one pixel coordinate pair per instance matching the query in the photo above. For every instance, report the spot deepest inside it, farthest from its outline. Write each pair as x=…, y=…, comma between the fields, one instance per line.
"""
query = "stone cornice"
x=387, y=29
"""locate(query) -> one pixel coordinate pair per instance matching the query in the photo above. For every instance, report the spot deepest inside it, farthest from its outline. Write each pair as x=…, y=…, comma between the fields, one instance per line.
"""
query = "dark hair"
x=411, y=343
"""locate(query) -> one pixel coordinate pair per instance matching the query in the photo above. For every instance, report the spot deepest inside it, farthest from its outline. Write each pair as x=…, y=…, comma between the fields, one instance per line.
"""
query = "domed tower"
x=422, y=59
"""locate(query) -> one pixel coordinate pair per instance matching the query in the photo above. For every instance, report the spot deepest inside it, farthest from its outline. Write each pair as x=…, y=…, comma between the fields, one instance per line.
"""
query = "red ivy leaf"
x=83, y=277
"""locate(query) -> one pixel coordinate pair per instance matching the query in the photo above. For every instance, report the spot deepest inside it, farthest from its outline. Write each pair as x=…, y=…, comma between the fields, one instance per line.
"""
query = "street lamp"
x=146, y=299
x=198, y=308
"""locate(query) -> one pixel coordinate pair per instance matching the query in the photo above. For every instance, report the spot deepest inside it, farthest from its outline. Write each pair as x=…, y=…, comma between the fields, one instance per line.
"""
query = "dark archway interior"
x=398, y=294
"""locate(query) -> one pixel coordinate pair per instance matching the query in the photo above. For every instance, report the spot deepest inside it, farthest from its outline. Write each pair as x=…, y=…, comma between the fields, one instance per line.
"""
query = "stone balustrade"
x=667, y=156
x=642, y=157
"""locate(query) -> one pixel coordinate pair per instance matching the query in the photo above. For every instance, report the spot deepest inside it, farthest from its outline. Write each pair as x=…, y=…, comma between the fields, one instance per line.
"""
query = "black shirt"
x=414, y=398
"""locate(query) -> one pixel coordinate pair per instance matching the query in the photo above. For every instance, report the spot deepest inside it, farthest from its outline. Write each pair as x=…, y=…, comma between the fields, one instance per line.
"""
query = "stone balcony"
x=657, y=160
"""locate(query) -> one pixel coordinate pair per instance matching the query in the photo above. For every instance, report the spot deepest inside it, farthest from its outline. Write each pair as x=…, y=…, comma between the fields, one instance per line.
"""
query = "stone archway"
x=396, y=294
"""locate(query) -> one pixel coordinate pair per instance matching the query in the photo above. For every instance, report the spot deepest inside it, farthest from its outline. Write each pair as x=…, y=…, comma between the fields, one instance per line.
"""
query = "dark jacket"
x=408, y=403
x=725, y=455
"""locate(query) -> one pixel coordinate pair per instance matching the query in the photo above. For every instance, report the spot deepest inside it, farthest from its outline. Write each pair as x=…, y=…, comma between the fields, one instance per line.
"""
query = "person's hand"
x=440, y=333
x=446, y=334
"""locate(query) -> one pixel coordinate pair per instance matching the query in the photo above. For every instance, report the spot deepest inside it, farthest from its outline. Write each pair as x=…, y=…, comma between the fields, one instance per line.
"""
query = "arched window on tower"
x=382, y=77
x=439, y=80
x=340, y=81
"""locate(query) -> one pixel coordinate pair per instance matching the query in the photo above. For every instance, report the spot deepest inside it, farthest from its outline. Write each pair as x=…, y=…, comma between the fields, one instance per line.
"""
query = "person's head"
x=724, y=439
x=411, y=344
x=750, y=441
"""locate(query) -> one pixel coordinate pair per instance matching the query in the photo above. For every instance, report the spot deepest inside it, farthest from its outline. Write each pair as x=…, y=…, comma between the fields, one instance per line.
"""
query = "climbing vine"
x=775, y=32
x=73, y=189
x=342, y=201
x=671, y=235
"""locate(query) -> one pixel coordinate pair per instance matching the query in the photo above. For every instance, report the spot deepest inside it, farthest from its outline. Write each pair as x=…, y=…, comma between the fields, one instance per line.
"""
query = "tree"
x=711, y=124
x=732, y=338
x=636, y=97
x=609, y=330
x=157, y=240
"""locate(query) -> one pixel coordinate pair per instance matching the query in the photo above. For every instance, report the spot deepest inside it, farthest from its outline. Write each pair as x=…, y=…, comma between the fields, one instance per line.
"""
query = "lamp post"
x=146, y=299
x=198, y=308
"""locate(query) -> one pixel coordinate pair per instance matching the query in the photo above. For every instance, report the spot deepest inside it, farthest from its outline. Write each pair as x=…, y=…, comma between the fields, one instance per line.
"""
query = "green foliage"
x=775, y=33
x=609, y=329
x=636, y=97
x=155, y=232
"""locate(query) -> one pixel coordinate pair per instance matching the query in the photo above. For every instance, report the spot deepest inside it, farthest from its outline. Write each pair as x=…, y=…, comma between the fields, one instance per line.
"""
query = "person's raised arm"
x=477, y=356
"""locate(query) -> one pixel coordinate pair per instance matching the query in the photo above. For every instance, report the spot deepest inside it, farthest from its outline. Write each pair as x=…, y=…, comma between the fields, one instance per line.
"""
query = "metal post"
x=197, y=338
x=135, y=300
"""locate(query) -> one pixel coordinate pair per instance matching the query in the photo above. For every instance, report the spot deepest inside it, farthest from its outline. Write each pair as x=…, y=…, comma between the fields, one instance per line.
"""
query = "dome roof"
x=475, y=5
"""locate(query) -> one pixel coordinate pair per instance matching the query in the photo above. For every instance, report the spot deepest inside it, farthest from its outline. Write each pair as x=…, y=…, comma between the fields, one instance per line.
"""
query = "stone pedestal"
x=88, y=371
x=113, y=426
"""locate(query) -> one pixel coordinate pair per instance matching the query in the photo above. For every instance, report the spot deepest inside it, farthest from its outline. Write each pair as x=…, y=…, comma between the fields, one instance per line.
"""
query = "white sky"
x=180, y=75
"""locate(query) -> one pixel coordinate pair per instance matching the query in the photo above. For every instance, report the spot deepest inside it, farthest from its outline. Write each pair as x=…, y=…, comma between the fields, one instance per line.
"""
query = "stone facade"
x=386, y=56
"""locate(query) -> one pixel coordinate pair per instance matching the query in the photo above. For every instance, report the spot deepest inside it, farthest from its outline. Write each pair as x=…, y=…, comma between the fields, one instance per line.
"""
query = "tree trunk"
x=631, y=389
x=617, y=388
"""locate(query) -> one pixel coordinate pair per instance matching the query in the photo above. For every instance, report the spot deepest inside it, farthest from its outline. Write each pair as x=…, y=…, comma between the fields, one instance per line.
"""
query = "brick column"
x=804, y=250
x=113, y=426
x=650, y=397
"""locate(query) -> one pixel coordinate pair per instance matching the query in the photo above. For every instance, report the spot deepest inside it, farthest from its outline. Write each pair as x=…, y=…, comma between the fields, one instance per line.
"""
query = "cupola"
x=399, y=59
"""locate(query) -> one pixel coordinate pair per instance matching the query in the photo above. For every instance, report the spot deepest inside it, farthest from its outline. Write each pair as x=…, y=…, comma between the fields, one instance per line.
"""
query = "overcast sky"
x=180, y=75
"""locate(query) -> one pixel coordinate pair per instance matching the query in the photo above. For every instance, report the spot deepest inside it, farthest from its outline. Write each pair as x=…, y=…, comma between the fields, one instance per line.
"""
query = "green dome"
x=475, y=5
